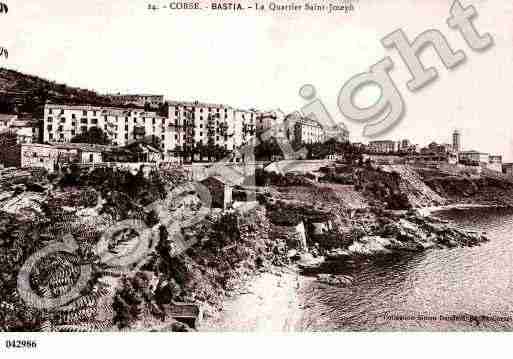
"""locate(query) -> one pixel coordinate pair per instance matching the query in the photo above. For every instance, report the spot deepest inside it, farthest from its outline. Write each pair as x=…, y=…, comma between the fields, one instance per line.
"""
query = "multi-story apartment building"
x=188, y=126
x=62, y=122
x=383, y=146
x=138, y=99
x=245, y=126
x=197, y=123
x=303, y=130
x=274, y=120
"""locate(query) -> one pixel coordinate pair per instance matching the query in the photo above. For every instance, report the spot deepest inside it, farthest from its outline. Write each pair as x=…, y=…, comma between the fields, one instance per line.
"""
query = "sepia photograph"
x=285, y=167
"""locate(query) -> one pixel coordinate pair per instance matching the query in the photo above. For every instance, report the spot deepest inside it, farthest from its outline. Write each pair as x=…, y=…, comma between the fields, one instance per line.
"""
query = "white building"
x=202, y=123
x=123, y=126
x=303, y=130
x=382, y=146
x=187, y=126
x=26, y=129
x=138, y=99
x=198, y=123
x=473, y=156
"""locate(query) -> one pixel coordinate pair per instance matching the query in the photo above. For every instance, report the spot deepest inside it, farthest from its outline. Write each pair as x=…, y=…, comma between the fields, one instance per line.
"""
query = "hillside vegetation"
x=32, y=92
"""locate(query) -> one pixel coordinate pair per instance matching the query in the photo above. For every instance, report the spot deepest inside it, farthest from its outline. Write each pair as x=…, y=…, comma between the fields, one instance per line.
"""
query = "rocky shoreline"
x=397, y=234
x=310, y=226
x=380, y=233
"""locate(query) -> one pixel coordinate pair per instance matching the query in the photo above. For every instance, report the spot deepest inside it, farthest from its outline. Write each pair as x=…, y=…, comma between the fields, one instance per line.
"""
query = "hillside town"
x=192, y=132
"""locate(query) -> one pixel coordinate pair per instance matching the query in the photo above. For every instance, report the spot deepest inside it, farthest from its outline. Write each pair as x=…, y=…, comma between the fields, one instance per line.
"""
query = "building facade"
x=383, y=146
x=456, y=141
x=27, y=130
x=38, y=155
x=123, y=126
x=6, y=120
x=507, y=168
x=141, y=100
x=303, y=130
x=473, y=156
x=188, y=126
x=196, y=123
x=495, y=163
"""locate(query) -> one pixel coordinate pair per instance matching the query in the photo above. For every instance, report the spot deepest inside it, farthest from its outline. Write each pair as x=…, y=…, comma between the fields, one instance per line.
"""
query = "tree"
x=94, y=135
x=153, y=140
x=266, y=150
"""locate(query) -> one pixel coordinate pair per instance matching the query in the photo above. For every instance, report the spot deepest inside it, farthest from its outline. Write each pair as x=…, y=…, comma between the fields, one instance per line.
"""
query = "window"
x=84, y=113
x=50, y=119
x=73, y=115
x=83, y=120
x=94, y=121
x=49, y=127
x=50, y=111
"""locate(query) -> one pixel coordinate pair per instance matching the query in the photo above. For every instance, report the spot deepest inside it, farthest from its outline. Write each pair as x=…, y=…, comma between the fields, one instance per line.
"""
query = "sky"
x=261, y=60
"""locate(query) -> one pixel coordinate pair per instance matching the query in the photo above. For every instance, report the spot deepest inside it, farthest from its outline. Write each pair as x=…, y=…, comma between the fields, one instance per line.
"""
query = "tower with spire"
x=456, y=141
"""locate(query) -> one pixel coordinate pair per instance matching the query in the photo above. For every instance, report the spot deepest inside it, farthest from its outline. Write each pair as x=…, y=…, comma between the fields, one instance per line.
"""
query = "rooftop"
x=87, y=147
x=197, y=104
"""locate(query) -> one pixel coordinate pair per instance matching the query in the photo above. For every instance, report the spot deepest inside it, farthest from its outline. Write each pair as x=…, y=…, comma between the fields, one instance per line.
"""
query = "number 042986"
x=20, y=344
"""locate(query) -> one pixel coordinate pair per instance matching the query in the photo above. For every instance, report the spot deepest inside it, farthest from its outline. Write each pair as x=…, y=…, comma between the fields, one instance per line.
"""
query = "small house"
x=220, y=191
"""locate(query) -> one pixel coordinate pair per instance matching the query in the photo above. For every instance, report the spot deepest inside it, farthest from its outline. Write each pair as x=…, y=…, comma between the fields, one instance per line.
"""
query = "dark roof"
x=140, y=146
x=218, y=179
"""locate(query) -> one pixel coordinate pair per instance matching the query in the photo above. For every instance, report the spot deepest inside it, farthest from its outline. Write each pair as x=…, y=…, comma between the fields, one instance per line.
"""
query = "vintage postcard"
x=256, y=166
